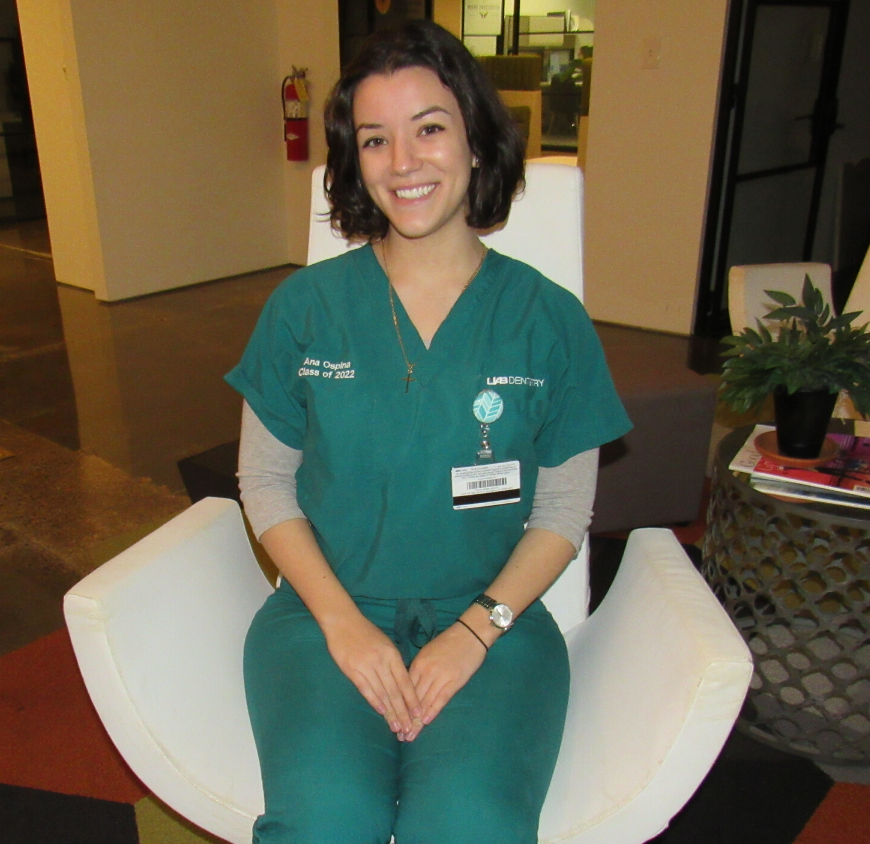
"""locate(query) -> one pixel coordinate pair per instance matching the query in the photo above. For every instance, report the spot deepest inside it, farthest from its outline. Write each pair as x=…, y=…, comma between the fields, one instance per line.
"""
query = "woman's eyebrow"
x=419, y=116
x=431, y=110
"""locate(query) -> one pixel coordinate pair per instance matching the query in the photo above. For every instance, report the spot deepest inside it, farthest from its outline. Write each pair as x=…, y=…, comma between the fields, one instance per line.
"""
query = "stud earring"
x=475, y=162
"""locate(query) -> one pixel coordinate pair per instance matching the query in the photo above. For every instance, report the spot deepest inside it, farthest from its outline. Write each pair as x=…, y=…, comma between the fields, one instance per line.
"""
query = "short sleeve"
x=584, y=410
x=267, y=375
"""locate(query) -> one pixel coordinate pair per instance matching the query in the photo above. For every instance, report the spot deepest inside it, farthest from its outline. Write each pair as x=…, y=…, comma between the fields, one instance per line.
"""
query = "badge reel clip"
x=488, y=407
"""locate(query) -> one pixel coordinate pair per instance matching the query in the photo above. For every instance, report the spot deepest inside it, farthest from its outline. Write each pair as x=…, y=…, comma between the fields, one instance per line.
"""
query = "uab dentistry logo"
x=502, y=380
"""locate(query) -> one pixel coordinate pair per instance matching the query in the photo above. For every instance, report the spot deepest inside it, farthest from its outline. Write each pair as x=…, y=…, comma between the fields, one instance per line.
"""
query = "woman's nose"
x=405, y=158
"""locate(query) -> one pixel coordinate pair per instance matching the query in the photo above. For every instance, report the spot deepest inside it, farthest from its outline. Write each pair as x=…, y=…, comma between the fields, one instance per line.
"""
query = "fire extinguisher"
x=294, y=97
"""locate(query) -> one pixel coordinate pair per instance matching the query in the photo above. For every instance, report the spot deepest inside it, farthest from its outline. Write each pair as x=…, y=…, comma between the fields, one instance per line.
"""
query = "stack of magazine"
x=843, y=480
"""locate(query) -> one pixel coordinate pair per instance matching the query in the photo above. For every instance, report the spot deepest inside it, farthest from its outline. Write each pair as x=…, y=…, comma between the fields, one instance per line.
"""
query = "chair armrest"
x=158, y=633
x=658, y=676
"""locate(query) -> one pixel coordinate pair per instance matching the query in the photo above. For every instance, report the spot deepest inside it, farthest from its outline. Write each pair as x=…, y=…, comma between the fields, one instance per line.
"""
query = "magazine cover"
x=848, y=472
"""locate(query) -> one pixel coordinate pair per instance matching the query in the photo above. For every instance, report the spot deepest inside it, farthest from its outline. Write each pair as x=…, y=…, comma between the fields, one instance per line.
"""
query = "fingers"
x=442, y=668
x=398, y=696
x=406, y=689
x=416, y=726
x=373, y=699
x=399, y=704
x=407, y=732
x=436, y=689
x=378, y=686
x=436, y=702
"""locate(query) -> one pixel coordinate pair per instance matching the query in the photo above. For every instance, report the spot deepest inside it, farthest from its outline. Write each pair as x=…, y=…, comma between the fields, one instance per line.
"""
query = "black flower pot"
x=802, y=421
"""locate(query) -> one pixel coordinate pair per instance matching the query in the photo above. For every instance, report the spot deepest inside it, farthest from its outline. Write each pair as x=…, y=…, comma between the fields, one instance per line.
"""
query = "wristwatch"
x=500, y=615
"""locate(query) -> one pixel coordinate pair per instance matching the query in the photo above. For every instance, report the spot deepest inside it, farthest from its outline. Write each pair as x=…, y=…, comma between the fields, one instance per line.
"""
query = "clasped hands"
x=408, y=698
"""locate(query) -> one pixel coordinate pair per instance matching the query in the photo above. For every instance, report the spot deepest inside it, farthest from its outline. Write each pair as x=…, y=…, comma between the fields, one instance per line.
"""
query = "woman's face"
x=413, y=151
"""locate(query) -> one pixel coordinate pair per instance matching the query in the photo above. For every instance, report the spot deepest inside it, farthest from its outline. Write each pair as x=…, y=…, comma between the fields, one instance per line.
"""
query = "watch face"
x=502, y=616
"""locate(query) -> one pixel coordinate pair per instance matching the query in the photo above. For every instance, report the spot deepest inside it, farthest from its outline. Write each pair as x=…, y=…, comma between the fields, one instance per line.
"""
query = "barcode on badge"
x=470, y=485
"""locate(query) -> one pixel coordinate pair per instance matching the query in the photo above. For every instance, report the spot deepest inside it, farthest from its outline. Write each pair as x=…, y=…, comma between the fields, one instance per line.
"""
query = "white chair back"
x=544, y=230
x=747, y=300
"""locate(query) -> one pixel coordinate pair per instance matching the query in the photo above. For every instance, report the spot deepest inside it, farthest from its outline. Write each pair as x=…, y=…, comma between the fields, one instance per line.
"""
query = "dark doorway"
x=20, y=180
x=357, y=19
x=777, y=112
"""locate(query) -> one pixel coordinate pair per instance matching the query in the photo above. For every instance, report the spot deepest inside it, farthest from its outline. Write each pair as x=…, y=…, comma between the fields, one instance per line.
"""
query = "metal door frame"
x=710, y=317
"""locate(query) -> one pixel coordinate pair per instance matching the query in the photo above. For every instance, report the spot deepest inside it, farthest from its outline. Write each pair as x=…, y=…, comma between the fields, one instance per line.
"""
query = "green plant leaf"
x=806, y=347
x=781, y=297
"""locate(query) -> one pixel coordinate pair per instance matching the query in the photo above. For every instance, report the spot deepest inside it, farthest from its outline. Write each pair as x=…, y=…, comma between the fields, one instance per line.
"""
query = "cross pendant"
x=408, y=379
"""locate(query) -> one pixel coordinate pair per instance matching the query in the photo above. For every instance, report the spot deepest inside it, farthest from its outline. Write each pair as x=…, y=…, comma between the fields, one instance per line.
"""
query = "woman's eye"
x=431, y=129
x=375, y=141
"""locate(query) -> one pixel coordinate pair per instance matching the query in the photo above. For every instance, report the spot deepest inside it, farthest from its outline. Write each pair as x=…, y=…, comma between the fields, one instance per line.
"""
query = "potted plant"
x=808, y=358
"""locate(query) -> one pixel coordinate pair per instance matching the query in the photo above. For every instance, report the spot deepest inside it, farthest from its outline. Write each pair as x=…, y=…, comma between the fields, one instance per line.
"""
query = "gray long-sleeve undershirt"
x=267, y=480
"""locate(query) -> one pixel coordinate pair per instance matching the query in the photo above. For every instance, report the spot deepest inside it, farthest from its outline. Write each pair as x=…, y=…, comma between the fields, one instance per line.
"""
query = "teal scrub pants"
x=333, y=771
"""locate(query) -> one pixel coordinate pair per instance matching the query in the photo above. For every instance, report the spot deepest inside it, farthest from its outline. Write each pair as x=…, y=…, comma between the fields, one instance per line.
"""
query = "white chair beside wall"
x=658, y=672
x=747, y=300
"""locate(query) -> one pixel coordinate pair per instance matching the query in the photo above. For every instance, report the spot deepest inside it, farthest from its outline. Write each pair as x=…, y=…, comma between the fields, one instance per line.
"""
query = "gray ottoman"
x=654, y=475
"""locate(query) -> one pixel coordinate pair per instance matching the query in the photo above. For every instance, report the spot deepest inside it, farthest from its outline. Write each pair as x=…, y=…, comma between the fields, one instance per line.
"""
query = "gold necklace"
x=408, y=379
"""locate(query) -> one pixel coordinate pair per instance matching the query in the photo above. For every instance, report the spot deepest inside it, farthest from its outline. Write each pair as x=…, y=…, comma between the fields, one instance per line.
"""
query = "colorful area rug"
x=61, y=779
x=62, y=782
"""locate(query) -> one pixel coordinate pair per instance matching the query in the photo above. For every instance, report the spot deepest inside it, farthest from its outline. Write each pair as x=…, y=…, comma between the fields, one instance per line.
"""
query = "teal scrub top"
x=324, y=373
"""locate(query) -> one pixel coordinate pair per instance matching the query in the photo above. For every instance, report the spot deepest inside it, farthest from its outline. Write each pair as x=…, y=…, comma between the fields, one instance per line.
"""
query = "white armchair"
x=658, y=676
x=747, y=300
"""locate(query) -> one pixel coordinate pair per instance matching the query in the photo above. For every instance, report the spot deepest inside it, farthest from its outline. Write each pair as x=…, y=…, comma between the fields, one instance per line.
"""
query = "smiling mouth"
x=414, y=193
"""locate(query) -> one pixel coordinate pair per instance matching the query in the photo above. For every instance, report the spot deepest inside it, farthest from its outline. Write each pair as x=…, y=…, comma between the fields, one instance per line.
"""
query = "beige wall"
x=55, y=94
x=648, y=159
x=316, y=49
x=160, y=136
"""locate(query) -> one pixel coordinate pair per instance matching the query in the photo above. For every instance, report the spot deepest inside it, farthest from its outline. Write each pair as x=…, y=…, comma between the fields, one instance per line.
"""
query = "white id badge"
x=485, y=485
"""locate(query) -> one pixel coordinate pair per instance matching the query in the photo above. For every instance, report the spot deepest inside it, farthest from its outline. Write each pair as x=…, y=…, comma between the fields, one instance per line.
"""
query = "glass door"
x=778, y=110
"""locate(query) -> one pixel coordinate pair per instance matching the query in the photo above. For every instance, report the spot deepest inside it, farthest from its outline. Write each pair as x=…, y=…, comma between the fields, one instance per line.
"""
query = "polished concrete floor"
x=98, y=402
x=138, y=383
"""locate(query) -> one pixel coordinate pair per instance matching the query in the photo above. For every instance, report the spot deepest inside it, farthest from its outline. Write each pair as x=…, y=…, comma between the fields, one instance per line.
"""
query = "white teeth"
x=414, y=193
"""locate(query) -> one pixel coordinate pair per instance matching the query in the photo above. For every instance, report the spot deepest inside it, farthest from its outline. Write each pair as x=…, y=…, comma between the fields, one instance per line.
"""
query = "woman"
x=404, y=679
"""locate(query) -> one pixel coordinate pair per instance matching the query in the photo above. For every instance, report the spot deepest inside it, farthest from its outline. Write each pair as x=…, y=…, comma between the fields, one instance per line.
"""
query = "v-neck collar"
x=449, y=336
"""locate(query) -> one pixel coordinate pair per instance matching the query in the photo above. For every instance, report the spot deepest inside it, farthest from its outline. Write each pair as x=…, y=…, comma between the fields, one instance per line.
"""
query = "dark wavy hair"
x=492, y=135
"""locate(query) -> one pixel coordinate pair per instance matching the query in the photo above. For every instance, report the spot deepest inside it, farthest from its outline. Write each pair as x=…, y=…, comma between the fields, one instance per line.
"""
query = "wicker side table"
x=795, y=578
